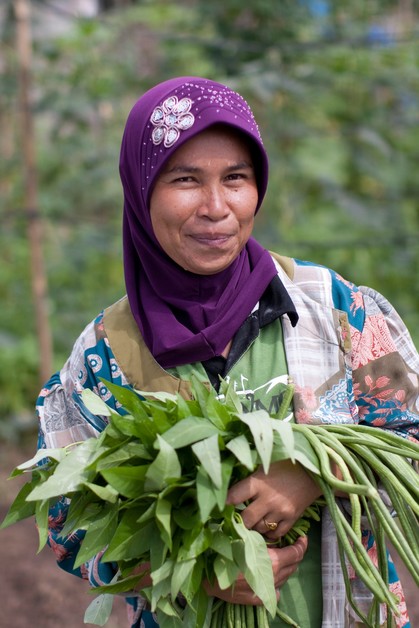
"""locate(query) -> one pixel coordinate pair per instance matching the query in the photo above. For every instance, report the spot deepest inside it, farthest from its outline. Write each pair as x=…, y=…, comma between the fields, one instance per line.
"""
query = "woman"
x=203, y=296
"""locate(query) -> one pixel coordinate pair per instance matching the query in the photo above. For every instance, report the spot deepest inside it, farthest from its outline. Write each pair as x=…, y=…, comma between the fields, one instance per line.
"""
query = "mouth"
x=211, y=239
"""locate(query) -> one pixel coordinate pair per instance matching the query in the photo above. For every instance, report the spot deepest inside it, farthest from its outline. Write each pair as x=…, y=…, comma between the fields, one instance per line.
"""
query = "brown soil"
x=35, y=593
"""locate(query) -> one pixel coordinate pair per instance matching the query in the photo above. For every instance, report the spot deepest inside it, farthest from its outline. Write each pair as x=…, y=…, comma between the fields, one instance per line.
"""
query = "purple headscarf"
x=184, y=317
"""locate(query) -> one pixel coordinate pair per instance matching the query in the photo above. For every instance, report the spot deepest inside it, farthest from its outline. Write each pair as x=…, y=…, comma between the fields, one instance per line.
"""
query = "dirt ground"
x=34, y=592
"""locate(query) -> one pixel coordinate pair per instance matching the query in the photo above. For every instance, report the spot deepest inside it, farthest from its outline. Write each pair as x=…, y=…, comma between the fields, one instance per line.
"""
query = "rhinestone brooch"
x=172, y=117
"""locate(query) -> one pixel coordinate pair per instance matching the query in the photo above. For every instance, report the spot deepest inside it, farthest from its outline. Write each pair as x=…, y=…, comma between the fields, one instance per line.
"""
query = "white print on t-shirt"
x=267, y=396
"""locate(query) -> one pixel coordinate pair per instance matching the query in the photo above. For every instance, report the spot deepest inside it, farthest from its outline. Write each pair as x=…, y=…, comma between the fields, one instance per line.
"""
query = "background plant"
x=335, y=91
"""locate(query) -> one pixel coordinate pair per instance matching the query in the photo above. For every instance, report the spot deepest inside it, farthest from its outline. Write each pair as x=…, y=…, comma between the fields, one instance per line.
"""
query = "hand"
x=144, y=582
x=285, y=562
x=280, y=496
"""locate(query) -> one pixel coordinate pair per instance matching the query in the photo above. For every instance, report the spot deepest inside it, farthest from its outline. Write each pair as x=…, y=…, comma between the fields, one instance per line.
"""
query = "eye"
x=185, y=179
x=236, y=176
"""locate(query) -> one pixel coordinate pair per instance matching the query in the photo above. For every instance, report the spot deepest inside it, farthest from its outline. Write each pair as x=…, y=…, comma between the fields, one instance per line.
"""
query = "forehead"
x=218, y=140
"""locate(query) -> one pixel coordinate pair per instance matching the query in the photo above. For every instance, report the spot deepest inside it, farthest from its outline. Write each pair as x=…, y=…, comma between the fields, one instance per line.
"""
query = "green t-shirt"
x=258, y=377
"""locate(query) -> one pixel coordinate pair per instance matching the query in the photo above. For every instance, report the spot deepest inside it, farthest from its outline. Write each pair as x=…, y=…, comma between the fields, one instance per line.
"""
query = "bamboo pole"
x=34, y=223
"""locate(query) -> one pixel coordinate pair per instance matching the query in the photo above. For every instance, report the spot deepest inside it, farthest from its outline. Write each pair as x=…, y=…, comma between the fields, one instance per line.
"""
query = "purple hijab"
x=184, y=317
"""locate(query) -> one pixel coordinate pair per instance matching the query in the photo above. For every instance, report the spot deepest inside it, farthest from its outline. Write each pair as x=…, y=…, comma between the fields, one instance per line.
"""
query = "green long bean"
x=326, y=472
x=387, y=478
x=353, y=498
x=373, y=433
x=379, y=508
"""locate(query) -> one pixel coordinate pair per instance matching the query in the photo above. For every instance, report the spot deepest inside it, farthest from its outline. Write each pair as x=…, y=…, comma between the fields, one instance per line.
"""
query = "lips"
x=211, y=236
x=211, y=239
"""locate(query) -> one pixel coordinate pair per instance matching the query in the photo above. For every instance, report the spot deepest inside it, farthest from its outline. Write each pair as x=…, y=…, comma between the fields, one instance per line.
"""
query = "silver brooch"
x=170, y=119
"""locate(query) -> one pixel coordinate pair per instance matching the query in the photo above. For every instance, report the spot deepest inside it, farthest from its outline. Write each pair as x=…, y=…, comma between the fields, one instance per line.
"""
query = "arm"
x=63, y=419
x=385, y=369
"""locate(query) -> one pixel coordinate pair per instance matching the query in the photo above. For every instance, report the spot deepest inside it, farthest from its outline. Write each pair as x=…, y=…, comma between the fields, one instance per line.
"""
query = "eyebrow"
x=241, y=165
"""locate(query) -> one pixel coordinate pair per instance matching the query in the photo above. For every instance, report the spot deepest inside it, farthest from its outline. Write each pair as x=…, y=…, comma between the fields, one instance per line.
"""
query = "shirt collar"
x=276, y=302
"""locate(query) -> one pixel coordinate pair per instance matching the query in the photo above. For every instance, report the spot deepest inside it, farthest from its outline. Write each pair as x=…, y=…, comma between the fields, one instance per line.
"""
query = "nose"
x=214, y=205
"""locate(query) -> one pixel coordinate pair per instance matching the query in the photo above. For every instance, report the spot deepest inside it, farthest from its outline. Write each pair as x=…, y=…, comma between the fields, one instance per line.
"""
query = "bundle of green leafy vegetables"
x=152, y=489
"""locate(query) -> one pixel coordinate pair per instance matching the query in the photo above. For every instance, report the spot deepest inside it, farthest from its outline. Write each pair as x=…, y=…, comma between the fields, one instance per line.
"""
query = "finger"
x=268, y=526
x=286, y=560
x=253, y=515
x=271, y=525
x=289, y=555
x=286, y=567
x=241, y=492
x=281, y=529
x=284, y=575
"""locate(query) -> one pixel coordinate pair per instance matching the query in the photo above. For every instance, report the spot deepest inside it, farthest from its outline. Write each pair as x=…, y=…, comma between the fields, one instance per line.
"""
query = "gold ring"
x=271, y=525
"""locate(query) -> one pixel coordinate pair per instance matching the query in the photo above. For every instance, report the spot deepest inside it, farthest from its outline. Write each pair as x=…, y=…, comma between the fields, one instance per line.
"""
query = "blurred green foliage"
x=334, y=86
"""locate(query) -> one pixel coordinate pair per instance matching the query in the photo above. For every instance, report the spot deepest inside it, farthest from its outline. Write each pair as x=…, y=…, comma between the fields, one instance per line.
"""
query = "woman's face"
x=203, y=203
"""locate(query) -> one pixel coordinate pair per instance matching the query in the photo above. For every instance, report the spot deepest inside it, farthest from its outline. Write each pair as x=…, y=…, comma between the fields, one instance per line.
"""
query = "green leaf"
x=123, y=453
x=167, y=615
x=217, y=413
x=232, y=400
x=95, y=404
x=98, y=534
x=160, y=418
x=57, y=454
x=20, y=508
x=160, y=395
x=226, y=572
x=69, y=475
x=221, y=543
x=128, y=481
x=253, y=559
x=158, y=550
x=208, y=453
x=161, y=577
x=240, y=447
x=191, y=587
x=83, y=509
x=188, y=431
x=260, y=424
x=99, y=610
x=116, y=586
x=306, y=462
x=41, y=516
x=130, y=426
x=207, y=499
x=305, y=453
x=128, y=398
x=181, y=571
x=148, y=514
x=195, y=542
x=286, y=434
x=163, y=517
x=163, y=572
x=107, y=493
x=131, y=540
x=164, y=468
x=198, y=613
x=227, y=466
x=186, y=514
x=201, y=393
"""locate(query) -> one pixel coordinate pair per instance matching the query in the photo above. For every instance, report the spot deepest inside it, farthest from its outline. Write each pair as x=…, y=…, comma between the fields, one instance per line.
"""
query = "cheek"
x=246, y=211
x=244, y=200
x=167, y=231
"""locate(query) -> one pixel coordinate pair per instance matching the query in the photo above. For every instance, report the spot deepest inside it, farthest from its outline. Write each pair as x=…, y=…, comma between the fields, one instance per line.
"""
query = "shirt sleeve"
x=64, y=419
x=385, y=366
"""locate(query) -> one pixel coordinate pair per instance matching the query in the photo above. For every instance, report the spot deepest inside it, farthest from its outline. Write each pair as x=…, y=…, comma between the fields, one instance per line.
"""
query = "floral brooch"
x=170, y=119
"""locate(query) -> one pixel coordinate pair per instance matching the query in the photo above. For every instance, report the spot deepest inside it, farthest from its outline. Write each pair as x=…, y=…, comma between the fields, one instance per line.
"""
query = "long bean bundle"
x=152, y=489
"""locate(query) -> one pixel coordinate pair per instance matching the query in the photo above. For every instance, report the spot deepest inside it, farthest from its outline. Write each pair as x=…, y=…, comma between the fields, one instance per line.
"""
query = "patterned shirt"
x=351, y=358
